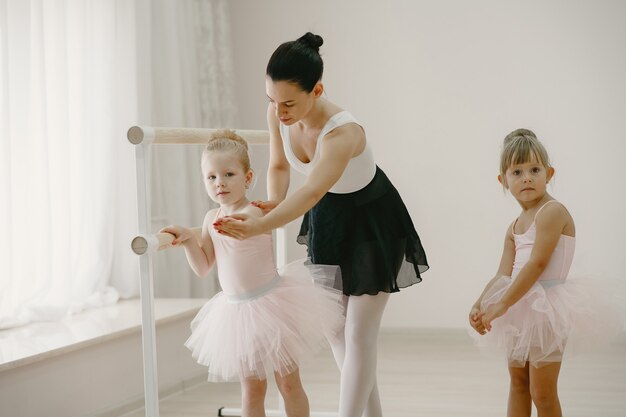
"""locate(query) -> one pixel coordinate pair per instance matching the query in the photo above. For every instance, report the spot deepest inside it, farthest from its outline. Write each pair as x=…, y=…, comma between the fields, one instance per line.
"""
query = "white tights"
x=356, y=354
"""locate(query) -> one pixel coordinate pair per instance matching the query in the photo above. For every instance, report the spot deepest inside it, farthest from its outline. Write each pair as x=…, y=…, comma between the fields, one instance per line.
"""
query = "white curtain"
x=192, y=86
x=73, y=77
x=66, y=174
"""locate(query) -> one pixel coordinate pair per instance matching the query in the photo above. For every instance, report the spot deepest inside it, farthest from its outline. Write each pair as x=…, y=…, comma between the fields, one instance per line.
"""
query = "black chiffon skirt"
x=369, y=234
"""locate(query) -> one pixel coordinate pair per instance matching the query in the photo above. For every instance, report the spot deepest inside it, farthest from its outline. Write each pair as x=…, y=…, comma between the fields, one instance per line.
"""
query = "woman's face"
x=290, y=102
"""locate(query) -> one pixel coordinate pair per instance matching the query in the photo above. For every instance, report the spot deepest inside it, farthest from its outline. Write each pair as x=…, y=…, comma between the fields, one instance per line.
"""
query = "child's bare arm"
x=549, y=224
x=200, y=254
x=506, y=264
x=504, y=269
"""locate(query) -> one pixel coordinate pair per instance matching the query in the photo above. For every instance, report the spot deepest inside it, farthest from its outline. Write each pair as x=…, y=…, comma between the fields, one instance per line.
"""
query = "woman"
x=353, y=216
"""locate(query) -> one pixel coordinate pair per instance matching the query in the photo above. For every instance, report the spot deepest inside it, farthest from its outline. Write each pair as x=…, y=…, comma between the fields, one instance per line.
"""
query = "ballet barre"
x=138, y=135
x=146, y=244
x=143, y=244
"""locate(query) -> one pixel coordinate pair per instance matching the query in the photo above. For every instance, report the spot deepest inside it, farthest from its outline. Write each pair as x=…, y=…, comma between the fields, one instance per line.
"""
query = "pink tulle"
x=269, y=332
x=550, y=321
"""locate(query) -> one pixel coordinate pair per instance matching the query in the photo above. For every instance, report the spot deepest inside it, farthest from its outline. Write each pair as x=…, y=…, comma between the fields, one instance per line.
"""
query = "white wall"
x=438, y=85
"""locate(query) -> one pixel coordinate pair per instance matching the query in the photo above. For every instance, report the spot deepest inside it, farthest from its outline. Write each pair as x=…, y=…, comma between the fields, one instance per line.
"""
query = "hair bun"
x=226, y=140
x=519, y=133
x=311, y=40
x=227, y=134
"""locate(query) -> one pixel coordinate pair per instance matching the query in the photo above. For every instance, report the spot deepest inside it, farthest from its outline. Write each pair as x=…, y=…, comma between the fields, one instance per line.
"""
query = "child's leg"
x=520, y=401
x=296, y=401
x=543, y=388
x=253, y=397
x=359, y=393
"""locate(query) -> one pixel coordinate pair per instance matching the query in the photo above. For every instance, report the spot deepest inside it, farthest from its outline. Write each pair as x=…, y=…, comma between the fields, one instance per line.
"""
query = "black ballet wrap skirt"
x=369, y=234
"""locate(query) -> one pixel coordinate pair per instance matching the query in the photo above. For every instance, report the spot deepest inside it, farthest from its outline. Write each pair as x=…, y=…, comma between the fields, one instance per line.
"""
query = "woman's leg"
x=338, y=345
x=296, y=401
x=543, y=389
x=520, y=402
x=357, y=356
x=253, y=397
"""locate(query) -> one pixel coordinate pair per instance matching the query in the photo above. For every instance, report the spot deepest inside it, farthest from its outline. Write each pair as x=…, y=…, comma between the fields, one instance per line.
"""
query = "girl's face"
x=528, y=181
x=224, y=178
x=290, y=102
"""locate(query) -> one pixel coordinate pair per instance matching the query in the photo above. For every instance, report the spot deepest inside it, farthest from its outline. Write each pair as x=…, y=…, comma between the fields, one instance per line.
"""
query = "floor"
x=433, y=373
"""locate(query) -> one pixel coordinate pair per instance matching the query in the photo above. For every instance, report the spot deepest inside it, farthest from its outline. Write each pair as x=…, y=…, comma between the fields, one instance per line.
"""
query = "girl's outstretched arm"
x=549, y=224
x=505, y=269
x=200, y=254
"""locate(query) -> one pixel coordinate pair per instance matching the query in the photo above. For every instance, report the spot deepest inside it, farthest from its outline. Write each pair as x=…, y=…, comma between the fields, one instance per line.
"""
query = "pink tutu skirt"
x=552, y=318
x=270, y=330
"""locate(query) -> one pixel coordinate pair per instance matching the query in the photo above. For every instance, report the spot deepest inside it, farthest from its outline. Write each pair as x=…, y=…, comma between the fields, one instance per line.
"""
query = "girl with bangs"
x=530, y=309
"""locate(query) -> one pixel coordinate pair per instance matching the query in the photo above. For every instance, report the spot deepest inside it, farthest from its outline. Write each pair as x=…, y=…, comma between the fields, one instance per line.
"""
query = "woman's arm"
x=278, y=171
x=549, y=224
x=337, y=148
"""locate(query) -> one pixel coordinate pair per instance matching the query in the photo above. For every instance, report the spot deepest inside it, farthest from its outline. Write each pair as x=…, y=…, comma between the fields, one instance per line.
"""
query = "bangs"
x=522, y=151
x=524, y=156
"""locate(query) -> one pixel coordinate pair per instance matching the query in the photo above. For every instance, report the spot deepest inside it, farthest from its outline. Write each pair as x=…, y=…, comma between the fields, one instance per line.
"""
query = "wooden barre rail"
x=188, y=136
x=143, y=244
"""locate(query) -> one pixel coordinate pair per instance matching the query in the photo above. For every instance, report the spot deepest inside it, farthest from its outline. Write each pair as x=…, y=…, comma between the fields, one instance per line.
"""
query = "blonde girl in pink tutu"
x=264, y=321
x=530, y=309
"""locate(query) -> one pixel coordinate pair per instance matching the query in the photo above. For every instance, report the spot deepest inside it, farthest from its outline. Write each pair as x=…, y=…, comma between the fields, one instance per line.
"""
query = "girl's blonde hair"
x=228, y=141
x=519, y=147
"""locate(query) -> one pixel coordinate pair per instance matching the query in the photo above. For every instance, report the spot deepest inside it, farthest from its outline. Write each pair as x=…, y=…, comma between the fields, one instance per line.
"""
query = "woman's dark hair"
x=298, y=62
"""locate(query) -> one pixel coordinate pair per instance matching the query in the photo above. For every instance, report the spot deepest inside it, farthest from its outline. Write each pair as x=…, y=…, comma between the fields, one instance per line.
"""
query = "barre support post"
x=146, y=291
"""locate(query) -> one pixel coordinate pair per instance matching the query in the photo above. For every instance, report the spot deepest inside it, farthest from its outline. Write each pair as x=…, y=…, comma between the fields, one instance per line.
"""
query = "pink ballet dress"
x=264, y=320
x=554, y=314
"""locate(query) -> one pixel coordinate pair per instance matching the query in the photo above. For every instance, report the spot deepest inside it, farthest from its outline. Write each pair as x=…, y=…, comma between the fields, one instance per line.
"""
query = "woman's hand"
x=475, y=321
x=265, y=206
x=239, y=225
x=181, y=234
x=493, y=312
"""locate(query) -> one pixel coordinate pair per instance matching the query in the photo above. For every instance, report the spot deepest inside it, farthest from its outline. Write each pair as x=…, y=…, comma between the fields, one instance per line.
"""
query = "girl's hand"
x=493, y=312
x=181, y=234
x=239, y=225
x=265, y=206
x=475, y=321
